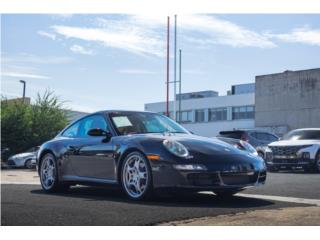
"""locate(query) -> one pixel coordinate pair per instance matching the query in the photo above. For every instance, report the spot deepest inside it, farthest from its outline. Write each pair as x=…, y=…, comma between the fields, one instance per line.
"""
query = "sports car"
x=142, y=152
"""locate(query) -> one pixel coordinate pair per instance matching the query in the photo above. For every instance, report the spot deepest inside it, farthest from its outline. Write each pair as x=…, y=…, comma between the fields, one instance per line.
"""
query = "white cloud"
x=81, y=50
x=137, y=71
x=304, y=35
x=23, y=75
x=130, y=40
x=25, y=58
x=213, y=31
x=146, y=35
x=48, y=35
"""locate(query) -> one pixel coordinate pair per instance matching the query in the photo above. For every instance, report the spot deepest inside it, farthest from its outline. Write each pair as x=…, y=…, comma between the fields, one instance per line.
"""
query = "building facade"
x=288, y=100
x=206, y=113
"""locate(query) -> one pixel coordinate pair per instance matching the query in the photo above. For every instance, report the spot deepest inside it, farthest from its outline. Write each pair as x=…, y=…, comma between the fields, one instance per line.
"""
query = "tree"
x=24, y=126
x=48, y=117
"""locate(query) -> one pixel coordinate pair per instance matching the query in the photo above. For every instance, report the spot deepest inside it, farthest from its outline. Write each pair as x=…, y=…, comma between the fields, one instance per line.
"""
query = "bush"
x=24, y=126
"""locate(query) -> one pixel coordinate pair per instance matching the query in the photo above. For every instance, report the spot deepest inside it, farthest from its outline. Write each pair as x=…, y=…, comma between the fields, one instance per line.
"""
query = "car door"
x=93, y=157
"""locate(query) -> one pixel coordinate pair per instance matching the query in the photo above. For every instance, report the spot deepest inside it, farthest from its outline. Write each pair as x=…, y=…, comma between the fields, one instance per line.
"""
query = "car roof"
x=306, y=129
x=121, y=111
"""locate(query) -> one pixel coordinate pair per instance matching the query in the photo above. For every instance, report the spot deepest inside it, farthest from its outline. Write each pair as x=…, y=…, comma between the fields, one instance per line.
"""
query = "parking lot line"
x=315, y=202
x=282, y=199
x=20, y=183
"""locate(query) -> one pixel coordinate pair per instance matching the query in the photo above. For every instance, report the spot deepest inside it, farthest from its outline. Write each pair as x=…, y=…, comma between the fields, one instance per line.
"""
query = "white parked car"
x=298, y=148
x=26, y=159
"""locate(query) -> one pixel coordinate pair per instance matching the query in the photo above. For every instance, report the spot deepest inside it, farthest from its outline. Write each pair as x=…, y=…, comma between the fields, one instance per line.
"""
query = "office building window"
x=243, y=112
x=217, y=114
x=200, y=115
x=186, y=116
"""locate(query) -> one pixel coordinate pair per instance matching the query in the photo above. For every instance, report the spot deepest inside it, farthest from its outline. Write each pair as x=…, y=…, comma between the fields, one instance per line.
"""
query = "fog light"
x=189, y=167
x=306, y=155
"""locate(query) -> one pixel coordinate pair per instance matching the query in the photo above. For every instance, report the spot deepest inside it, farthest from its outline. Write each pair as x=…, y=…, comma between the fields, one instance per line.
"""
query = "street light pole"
x=175, y=70
x=24, y=89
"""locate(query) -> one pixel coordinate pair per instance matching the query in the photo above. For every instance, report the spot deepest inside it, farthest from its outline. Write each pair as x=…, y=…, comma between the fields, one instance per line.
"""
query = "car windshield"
x=302, y=135
x=140, y=122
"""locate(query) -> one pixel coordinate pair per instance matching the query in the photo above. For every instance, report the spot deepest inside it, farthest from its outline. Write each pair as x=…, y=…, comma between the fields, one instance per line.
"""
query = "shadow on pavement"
x=197, y=200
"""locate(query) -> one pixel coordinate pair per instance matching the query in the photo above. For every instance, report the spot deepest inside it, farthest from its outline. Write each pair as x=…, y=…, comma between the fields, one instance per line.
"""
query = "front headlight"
x=176, y=148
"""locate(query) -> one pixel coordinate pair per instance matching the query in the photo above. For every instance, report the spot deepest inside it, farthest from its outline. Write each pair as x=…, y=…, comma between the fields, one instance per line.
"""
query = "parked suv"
x=298, y=148
x=257, y=138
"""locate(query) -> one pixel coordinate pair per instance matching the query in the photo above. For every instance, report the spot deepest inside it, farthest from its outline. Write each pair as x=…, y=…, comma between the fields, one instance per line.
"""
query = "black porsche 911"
x=141, y=152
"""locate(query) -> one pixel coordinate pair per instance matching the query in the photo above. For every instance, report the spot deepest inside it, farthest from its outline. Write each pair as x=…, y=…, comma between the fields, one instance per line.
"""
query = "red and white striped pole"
x=168, y=52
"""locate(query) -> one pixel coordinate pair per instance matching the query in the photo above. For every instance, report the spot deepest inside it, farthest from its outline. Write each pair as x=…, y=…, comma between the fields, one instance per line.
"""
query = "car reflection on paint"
x=142, y=152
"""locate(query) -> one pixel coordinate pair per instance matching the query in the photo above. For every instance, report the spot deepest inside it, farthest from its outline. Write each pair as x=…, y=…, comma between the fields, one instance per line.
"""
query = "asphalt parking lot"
x=27, y=204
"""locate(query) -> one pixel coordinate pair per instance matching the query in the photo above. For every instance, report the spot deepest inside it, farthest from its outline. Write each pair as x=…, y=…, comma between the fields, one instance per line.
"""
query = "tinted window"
x=72, y=131
x=243, y=112
x=199, y=115
x=95, y=121
x=217, y=114
x=237, y=135
x=81, y=128
x=272, y=138
x=186, y=116
x=302, y=134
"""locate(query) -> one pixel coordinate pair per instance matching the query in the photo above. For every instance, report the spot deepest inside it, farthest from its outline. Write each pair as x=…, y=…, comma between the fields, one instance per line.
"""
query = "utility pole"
x=175, y=69
x=179, y=116
x=168, y=52
x=24, y=89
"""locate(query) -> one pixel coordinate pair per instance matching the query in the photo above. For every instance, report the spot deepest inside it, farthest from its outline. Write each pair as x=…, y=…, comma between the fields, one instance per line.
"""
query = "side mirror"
x=98, y=132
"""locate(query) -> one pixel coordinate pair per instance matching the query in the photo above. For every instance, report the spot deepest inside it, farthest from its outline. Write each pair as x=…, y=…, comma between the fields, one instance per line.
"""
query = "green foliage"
x=24, y=126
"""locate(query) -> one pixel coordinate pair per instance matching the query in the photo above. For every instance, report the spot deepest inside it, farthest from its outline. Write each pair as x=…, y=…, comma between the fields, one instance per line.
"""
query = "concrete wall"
x=289, y=100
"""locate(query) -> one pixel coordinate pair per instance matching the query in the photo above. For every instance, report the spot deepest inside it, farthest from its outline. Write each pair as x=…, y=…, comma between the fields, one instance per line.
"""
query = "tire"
x=136, y=177
x=48, y=173
x=225, y=193
x=317, y=163
x=28, y=164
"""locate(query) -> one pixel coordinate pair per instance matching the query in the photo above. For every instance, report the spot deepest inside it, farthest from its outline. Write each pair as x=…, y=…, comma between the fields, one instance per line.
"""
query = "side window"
x=72, y=131
x=272, y=137
x=95, y=121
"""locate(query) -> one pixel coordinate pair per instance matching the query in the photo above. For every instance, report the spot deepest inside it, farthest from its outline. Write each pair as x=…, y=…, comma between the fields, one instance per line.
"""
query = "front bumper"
x=290, y=163
x=166, y=176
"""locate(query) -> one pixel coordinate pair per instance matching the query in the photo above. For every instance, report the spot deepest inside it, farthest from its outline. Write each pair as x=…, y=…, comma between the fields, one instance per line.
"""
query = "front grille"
x=238, y=178
x=203, y=179
x=286, y=150
x=11, y=163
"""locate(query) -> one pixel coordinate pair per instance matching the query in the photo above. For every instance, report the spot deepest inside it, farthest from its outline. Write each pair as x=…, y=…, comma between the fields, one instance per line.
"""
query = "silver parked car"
x=26, y=159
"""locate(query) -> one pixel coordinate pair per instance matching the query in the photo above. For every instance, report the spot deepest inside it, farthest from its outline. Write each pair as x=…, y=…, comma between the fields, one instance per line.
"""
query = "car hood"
x=294, y=143
x=202, y=149
x=23, y=155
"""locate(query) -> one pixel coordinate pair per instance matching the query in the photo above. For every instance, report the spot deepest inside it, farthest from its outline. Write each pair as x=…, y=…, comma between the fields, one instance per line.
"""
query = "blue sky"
x=117, y=61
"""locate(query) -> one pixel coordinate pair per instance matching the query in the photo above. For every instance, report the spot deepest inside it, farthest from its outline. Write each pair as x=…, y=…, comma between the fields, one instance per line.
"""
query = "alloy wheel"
x=48, y=172
x=28, y=164
x=135, y=176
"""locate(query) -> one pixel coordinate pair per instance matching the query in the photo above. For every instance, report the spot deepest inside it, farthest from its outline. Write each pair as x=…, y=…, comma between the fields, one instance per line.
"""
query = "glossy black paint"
x=98, y=159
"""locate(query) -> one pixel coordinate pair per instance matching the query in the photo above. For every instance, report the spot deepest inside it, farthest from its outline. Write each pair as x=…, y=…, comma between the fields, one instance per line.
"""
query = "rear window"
x=237, y=135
